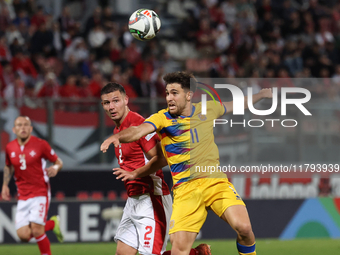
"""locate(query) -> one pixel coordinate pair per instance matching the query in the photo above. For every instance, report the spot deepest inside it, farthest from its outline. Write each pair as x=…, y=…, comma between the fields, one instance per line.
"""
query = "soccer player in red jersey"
x=25, y=157
x=145, y=222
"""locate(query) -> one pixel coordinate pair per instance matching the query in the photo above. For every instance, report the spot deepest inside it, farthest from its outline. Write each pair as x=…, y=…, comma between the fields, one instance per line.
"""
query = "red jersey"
x=131, y=156
x=29, y=166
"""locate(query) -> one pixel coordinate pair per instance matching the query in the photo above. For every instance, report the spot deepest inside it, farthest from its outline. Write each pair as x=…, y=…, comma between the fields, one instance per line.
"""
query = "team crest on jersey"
x=32, y=153
x=202, y=117
x=13, y=154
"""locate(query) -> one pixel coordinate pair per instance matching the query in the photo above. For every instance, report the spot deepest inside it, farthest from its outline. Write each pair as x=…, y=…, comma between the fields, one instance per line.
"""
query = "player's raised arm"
x=128, y=135
x=156, y=162
x=55, y=168
x=264, y=93
x=8, y=172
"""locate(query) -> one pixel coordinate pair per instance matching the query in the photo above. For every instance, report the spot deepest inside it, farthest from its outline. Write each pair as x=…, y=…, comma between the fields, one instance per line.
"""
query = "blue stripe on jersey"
x=178, y=148
x=174, y=130
x=182, y=180
x=179, y=167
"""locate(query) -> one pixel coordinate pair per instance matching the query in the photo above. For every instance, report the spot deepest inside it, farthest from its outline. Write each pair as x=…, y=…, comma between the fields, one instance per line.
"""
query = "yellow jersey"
x=188, y=142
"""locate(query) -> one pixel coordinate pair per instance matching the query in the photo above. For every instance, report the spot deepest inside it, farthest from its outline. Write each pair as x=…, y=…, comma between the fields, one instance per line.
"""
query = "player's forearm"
x=151, y=167
x=8, y=172
x=129, y=135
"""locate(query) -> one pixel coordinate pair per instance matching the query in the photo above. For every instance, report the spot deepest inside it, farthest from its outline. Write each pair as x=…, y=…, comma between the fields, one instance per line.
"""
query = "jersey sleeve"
x=149, y=141
x=48, y=152
x=217, y=108
x=157, y=120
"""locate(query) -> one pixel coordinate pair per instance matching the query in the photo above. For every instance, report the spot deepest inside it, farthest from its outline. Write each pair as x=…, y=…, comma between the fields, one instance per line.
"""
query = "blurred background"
x=55, y=56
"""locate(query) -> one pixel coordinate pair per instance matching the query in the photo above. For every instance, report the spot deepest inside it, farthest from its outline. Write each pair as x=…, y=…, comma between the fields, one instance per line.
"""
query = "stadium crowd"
x=43, y=56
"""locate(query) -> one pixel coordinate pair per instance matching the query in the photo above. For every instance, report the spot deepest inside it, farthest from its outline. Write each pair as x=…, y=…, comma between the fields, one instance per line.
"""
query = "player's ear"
x=189, y=95
x=126, y=99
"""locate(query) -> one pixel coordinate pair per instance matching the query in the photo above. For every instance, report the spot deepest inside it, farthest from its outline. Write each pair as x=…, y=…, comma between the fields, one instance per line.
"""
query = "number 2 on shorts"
x=149, y=230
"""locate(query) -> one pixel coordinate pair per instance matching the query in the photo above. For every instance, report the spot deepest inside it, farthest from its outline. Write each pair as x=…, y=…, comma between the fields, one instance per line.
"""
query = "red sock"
x=49, y=225
x=192, y=252
x=44, y=244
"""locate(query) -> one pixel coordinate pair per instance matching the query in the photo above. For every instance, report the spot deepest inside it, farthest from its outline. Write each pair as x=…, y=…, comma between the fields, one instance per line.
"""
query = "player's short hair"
x=112, y=87
x=182, y=78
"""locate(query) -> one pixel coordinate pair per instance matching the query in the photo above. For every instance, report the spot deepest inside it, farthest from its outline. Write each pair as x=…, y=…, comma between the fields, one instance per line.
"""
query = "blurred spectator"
x=77, y=49
x=23, y=64
x=22, y=18
x=42, y=41
x=39, y=17
x=4, y=51
x=14, y=92
x=50, y=87
x=13, y=33
x=70, y=90
x=94, y=20
x=96, y=84
x=96, y=37
x=108, y=19
x=71, y=67
x=65, y=20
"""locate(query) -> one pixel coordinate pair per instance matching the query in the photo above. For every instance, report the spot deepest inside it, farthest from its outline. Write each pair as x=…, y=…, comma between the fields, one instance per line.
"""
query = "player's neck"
x=120, y=121
x=23, y=141
x=187, y=111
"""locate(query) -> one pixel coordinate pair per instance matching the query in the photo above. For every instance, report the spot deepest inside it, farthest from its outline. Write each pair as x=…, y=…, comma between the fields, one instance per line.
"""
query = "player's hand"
x=106, y=144
x=5, y=193
x=123, y=174
x=52, y=171
x=267, y=93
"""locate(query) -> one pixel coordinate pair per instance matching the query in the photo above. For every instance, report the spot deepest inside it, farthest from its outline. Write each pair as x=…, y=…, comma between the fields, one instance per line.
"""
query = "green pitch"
x=264, y=247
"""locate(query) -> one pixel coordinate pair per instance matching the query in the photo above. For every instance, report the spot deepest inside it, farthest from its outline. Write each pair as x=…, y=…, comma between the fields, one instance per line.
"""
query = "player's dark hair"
x=182, y=78
x=112, y=87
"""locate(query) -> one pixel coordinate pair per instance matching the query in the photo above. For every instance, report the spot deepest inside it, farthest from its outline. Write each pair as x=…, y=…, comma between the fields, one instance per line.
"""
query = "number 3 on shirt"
x=23, y=163
x=194, y=135
x=120, y=154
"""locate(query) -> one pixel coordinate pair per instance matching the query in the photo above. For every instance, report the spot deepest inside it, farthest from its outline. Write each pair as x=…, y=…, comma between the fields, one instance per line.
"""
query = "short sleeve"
x=157, y=120
x=48, y=152
x=218, y=108
x=149, y=141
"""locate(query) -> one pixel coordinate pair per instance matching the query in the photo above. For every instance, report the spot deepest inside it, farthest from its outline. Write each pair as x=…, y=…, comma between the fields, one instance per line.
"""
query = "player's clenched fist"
x=267, y=93
x=106, y=144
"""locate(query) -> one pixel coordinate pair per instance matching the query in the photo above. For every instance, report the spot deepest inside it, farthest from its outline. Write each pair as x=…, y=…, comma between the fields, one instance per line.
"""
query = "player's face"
x=114, y=105
x=22, y=128
x=177, y=98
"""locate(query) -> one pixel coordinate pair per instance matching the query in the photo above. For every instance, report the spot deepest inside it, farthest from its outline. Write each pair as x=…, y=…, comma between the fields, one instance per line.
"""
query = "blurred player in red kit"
x=25, y=157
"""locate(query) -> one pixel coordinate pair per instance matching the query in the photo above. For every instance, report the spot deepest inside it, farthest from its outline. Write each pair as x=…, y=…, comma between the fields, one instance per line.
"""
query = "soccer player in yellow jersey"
x=187, y=142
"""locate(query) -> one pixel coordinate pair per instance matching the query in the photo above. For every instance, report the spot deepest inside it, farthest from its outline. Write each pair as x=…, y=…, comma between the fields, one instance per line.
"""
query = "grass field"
x=264, y=247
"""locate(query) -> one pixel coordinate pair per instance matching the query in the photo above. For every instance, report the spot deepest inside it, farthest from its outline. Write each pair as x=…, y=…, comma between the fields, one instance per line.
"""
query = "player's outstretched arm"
x=8, y=172
x=55, y=168
x=156, y=162
x=128, y=135
x=264, y=93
